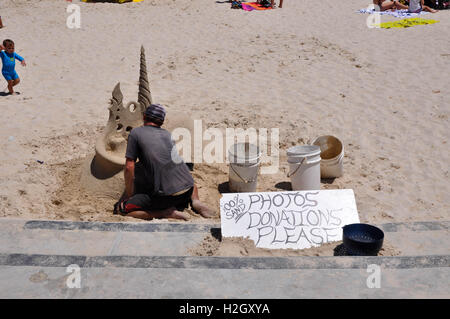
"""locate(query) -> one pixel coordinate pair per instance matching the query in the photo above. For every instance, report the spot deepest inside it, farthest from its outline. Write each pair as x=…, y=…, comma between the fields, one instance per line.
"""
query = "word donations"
x=295, y=219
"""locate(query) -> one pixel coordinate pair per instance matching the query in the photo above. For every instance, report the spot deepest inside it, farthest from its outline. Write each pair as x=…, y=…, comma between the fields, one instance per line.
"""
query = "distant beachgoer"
x=1, y=22
x=388, y=5
x=9, y=57
x=416, y=6
x=160, y=184
x=266, y=3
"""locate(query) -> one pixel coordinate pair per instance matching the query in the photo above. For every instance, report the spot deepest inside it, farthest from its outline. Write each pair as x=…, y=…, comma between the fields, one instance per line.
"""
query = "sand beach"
x=307, y=70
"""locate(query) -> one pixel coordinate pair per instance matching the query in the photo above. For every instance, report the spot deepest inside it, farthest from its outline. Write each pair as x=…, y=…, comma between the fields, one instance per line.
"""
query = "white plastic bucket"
x=332, y=154
x=304, y=167
x=244, y=166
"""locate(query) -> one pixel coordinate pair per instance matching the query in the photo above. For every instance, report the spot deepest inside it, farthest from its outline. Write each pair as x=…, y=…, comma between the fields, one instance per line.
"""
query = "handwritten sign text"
x=296, y=219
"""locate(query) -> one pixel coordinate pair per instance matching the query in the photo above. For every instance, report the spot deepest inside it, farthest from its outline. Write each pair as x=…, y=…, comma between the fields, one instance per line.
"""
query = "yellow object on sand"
x=113, y=1
x=406, y=23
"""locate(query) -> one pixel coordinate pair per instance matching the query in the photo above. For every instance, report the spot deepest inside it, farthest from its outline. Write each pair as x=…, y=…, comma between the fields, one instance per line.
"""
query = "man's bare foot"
x=176, y=214
x=149, y=215
x=202, y=209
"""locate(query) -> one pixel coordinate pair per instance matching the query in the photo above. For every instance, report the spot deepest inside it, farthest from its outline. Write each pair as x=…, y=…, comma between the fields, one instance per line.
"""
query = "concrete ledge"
x=200, y=228
x=405, y=262
x=119, y=227
x=41, y=260
x=118, y=283
x=415, y=226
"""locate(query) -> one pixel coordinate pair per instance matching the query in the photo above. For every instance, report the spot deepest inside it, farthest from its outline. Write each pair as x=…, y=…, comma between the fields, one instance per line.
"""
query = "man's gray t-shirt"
x=153, y=147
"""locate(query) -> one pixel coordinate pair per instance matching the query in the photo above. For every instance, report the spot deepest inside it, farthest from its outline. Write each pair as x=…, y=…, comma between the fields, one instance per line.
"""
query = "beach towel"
x=397, y=13
x=406, y=23
x=250, y=6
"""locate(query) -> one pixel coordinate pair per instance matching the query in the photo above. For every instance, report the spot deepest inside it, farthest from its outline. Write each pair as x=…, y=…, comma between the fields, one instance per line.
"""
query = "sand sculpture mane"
x=101, y=172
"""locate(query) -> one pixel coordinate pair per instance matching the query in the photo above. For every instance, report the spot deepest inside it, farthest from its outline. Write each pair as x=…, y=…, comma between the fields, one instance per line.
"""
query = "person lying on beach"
x=266, y=3
x=160, y=185
x=389, y=5
x=416, y=6
x=9, y=57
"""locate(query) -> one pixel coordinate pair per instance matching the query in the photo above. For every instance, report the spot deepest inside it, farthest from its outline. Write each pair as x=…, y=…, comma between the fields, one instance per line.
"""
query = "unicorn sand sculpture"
x=102, y=173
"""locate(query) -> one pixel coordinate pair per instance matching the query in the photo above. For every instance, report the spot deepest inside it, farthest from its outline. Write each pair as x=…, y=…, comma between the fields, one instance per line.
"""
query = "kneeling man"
x=160, y=185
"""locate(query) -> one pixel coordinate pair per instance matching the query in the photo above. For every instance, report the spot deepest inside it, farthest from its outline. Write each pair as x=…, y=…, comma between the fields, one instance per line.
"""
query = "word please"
x=294, y=235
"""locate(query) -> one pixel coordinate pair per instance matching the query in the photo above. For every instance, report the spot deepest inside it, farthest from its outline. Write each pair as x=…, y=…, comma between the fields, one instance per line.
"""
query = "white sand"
x=309, y=70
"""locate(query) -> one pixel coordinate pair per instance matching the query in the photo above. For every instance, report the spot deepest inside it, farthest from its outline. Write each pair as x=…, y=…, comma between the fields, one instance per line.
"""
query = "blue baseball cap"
x=156, y=111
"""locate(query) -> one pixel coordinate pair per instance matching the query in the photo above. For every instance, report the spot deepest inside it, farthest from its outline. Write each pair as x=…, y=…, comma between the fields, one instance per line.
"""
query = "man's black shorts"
x=146, y=202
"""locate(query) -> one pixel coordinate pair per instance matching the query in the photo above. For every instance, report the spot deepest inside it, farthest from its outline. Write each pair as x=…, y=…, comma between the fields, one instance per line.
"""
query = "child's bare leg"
x=399, y=5
x=386, y=5
x=10, y=86
x=427, y=8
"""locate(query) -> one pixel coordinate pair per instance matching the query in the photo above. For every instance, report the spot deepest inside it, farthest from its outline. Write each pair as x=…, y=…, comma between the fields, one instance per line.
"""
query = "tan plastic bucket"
x=332, y=154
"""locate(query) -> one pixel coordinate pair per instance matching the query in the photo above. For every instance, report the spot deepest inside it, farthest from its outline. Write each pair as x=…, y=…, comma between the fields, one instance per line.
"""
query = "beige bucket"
x=332, y=154
x=244, y=166
x=304, y=167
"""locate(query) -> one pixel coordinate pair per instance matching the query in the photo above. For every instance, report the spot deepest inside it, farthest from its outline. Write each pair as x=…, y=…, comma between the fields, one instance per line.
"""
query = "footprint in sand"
x=38, y=277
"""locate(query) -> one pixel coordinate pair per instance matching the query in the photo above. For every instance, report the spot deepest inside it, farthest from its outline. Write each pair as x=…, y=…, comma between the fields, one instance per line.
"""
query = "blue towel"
x=397, y=13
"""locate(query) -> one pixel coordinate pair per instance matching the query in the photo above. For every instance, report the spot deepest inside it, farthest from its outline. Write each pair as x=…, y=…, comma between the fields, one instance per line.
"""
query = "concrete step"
x=99, y=239
x=150, y=260
x=187, y=283
x=174, y=239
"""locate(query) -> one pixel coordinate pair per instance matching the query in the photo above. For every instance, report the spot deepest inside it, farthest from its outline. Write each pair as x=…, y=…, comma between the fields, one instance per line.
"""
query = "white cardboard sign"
x=291, y=219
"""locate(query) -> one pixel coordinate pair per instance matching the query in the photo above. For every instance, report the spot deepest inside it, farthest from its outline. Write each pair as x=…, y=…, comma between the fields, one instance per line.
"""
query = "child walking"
x=9, y=57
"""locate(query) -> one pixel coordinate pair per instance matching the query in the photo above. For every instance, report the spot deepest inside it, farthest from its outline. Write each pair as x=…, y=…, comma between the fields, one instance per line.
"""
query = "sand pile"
x=215, y=245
